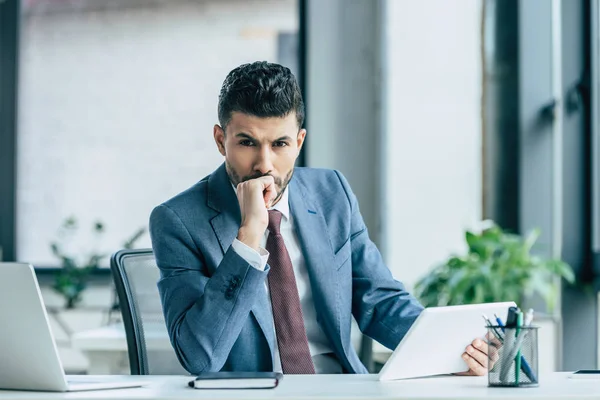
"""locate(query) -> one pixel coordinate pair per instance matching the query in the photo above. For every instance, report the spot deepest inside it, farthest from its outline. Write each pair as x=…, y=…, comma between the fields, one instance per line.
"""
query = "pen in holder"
x=513, y=356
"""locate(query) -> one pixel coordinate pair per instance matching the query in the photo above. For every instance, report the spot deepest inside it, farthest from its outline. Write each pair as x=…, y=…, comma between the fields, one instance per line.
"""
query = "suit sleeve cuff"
x=258, y=259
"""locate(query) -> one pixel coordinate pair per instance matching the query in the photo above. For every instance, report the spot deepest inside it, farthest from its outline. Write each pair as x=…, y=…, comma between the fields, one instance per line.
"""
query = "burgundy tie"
x=287, y=313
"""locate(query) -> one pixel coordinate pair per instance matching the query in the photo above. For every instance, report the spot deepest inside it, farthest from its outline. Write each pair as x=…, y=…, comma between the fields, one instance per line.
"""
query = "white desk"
x=555, y=386
x=106, y=347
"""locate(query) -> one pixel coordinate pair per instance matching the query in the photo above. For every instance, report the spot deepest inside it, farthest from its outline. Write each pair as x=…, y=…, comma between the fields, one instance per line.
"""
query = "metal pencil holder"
x=513, y=356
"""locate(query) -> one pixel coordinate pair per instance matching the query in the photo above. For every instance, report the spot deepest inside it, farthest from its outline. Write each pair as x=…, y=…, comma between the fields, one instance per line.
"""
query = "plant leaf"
x=498, y=266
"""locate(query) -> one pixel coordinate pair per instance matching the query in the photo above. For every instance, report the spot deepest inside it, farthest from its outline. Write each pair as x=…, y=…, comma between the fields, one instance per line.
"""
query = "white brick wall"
x=117, y=108
x=116, y=116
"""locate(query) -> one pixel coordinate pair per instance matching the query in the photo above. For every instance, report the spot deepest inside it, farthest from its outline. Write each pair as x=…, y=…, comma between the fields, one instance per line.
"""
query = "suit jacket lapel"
x=221, y=198
x=318, y=253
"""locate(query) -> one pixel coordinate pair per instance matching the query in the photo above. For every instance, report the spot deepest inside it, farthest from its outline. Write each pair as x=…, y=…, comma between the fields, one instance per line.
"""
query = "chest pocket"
x=343, y=254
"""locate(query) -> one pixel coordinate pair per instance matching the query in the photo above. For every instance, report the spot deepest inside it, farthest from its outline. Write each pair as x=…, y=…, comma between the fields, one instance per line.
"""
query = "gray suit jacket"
x=215, y=304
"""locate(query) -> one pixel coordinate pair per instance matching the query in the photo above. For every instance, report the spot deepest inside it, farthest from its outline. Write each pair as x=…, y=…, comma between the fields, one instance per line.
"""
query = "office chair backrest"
x=150, y=352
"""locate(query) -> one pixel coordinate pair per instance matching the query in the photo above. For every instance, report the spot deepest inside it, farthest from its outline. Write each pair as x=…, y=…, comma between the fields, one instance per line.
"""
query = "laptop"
x=27, y=348
x=436, y=340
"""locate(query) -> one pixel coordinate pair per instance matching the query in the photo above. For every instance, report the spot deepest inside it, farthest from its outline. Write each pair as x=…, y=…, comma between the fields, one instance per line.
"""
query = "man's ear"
x=300, y=138
x=219, y=136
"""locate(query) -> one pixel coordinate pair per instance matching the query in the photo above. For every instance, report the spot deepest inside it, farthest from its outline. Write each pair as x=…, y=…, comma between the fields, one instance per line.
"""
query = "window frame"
x=9, y=55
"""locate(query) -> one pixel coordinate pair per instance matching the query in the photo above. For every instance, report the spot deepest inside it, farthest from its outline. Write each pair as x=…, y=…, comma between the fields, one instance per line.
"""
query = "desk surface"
x=327, y=387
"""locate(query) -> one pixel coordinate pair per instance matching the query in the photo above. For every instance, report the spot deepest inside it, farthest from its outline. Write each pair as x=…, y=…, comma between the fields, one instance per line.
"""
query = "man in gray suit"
x=263, y=265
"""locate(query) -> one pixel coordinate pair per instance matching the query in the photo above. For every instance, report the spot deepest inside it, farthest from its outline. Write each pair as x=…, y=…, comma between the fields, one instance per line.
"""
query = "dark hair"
x=261, y=89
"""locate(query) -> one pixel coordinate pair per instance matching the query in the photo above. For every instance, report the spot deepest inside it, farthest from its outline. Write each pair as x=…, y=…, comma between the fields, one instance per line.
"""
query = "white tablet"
x=435, y=342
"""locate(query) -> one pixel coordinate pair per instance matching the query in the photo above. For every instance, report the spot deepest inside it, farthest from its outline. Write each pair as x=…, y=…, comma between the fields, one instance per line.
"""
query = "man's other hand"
x=477, y=358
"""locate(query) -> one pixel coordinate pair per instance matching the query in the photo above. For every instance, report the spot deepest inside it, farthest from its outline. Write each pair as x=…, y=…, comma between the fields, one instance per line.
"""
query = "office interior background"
x=441, y=114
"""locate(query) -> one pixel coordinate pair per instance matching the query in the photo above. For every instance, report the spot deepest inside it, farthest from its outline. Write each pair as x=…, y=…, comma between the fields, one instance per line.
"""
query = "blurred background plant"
x=498, y=266
x=73, y=277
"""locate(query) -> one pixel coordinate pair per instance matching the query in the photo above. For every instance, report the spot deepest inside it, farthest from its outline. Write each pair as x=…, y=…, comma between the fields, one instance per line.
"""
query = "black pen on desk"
x=511, y=318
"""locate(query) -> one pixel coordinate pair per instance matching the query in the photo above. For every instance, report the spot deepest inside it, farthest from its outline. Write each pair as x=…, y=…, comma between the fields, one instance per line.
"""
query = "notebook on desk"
x=27, y=347
x=236, y=380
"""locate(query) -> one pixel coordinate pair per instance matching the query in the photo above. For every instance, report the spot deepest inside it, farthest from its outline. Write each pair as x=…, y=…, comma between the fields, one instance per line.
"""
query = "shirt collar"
x=283, y=205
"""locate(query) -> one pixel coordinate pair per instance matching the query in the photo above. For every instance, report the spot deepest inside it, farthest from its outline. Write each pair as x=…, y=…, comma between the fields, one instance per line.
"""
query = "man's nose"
x=264, y=163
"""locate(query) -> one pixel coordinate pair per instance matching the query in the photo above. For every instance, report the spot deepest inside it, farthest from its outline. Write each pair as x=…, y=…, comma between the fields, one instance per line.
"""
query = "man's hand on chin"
x=476, y=358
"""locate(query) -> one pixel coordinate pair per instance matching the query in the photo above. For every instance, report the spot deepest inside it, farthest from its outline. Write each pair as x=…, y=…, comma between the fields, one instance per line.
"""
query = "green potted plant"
x=72, y=279
x=498, y=266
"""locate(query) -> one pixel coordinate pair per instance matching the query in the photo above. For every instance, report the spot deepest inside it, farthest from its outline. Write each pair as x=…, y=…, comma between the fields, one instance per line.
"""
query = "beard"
x=280, y=184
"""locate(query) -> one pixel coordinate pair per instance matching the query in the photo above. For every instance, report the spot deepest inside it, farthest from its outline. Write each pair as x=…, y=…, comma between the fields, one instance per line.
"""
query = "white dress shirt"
x=318, y=344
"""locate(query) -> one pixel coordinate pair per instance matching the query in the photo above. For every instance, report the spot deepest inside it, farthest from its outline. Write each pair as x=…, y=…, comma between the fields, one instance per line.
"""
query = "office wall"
x=118, y=101
x=343, y=96
x=432, y=142
x=394, y=102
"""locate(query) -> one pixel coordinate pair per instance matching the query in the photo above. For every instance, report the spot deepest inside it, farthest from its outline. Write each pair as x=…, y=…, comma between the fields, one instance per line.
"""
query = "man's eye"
x=246, y=143
x=280, y=144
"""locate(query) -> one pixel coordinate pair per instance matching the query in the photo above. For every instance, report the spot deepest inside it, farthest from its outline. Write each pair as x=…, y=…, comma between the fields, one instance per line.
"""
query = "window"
x=117, y=103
